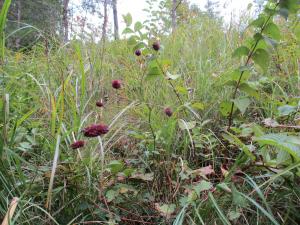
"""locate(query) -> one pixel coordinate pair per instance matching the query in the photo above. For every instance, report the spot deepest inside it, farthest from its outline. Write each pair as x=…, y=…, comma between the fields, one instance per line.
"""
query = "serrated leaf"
x=259, y=22
x=127, y=30
x=202, y=186
x=241, y=51
x=242, y=104
x=154, y=72
x=249, y=90
x=261, y=58
x=225, y=108
x=111, y=195
x=238, y=199
x=115, y=166
x=138, y=26
x=272, y=31
x=132, y=40
x=127, y=19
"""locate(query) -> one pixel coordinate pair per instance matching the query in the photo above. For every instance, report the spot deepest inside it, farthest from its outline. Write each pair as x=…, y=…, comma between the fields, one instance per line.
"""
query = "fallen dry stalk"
x=10, y=211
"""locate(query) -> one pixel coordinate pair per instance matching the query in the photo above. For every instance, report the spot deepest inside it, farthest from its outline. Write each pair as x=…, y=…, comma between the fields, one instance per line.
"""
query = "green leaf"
x=186, y=125
x=259, y=22
x=249, y=90
x=223, y=187
x=236, y=141
x=282, y=141
x=241, y=51
x=225, y=108
x=242, y=104
x=198, y=105
x=181, y=90
x=132, y=40
x=172, y=76
x=272, y=31
x=165, y=210
x=139, y=45
x=138, y=26
x=127, y=30
x=287, y=110
x=219, y=211
x=127, y=19
x=111, y=195
x=261, y=58
x=237, y=198
x=203, y=186
x=291, y=5
x=234, y=215
x=153, y=72
x=115, y=166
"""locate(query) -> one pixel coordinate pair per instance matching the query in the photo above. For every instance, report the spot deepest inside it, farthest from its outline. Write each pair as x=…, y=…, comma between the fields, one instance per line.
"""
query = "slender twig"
x=230, y=117
x=151, y=128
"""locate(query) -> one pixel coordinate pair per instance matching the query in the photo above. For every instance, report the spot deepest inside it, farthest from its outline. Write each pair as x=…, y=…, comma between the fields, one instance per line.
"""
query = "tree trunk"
x=105, y=21
x=18, y=40
x=65, y=20
x=174, y=22
x=116, y=23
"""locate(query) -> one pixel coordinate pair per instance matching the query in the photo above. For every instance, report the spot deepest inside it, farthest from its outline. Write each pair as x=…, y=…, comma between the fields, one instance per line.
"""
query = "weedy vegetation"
x=195, y=126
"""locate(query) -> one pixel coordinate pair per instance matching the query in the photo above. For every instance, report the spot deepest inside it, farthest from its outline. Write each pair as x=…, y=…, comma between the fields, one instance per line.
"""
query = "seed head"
x=156, y=45
x=116, y=84
x=138, y=52
x=100, y=103
x=77, y=144
x=95, y=130
x=168, y=112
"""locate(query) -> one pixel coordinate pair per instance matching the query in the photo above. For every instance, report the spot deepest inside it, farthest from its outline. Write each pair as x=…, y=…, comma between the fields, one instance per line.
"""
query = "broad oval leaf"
x=272, y=31
x=261, y=57
x=241, y=51
x=138, y=26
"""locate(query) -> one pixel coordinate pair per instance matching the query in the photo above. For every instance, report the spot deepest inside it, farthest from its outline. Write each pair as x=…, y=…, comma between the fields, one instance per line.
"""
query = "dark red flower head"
x=156, y=45
x=77, y=144
x=168, y=112
x=116, y=84
x=138, y=52
x=100, y=103
x=95, y=130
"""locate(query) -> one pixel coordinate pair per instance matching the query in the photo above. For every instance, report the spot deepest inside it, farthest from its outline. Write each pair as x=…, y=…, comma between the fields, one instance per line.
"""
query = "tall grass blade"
x=3, y=16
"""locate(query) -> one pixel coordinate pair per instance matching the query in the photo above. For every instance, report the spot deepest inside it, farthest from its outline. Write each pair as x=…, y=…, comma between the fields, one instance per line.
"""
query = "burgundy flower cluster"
x=96, y=130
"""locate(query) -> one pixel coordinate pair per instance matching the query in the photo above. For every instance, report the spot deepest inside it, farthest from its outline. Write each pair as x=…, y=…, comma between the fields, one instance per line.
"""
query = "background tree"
x=31, y=19
x=211, y=7
x=116, y=21
x=65, y=20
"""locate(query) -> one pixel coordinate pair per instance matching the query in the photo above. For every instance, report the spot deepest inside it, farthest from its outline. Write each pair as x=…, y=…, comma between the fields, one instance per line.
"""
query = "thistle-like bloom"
x=116, y=84
x=77, y=144
x=138, y=52
x=156, y=45
x=95, y=130
x=168, y=111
